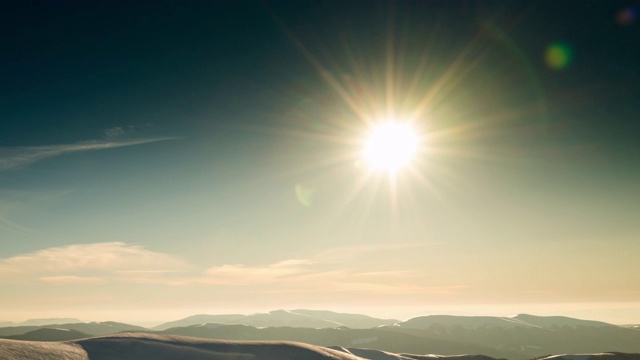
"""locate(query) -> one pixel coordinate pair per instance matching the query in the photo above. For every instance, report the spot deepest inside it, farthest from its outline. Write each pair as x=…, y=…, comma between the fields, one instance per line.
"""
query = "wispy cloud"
x=310, y=275
x=19, y=157
x=118, y=262
x=242, y=274
x=62, y=264
x=71, y=279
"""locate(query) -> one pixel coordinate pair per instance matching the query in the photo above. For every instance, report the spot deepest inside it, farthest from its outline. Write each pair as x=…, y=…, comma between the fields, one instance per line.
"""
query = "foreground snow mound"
x=130, y=346
x=36, y=350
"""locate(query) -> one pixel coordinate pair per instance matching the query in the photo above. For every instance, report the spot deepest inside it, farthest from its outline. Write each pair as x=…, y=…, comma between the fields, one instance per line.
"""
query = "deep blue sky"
x=71, y=69
x=187, y=133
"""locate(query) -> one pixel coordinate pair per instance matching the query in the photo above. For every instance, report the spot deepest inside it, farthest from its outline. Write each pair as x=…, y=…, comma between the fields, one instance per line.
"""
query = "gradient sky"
x=175, y=157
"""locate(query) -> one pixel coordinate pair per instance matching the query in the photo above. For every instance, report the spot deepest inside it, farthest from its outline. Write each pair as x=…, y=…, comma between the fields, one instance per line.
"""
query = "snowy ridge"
x=318, y=319
x=467, y=322
x=477, y=322
x=130, y=346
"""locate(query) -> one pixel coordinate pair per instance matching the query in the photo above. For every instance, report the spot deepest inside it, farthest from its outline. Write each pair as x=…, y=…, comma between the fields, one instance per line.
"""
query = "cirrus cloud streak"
x=19, y=157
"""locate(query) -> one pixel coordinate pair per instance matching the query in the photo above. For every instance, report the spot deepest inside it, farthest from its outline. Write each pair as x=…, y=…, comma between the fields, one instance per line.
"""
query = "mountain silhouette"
x=296, y=318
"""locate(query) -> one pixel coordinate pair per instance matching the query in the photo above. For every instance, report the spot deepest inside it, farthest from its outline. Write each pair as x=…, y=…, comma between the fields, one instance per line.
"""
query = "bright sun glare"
x=391, y=146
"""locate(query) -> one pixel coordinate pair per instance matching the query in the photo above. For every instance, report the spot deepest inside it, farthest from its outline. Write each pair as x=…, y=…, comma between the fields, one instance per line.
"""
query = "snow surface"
x=130, y=346
x=33, y=350
x=134, y=346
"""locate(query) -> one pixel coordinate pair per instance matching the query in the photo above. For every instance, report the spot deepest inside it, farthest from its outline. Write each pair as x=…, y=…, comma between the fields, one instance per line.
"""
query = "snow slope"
x=130, y=346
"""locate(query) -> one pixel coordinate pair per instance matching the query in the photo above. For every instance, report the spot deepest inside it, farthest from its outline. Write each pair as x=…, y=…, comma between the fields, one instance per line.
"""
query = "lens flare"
x=627, y=16
x=558, y=56
x=304, y=194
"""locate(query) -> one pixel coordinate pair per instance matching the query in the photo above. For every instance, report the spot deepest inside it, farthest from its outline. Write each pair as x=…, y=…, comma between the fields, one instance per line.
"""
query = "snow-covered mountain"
x=52, y=334
x=319, y=319
x=52, y=321
x=41, y=322
x=200, y=319
x=518, y=337
x=466, y=322
x=92, y=328
x=528, y=335
x=517, y=321
x=354, y=321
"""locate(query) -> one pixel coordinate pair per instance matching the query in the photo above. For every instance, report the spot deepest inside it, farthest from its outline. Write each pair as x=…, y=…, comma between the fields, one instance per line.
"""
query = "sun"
x=391, y=146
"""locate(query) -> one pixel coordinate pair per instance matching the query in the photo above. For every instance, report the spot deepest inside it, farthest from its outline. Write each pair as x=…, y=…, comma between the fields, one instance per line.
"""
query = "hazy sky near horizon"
x=164, y=158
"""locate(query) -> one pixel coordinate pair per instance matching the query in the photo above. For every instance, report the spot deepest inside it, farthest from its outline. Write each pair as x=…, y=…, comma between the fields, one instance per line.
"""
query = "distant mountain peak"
x=288, y=318
x=520, y=320
x=50, y=321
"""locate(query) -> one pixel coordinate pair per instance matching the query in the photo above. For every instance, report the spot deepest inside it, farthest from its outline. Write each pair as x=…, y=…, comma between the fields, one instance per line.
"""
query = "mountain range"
x=40, y=322
x=129, y=346
x=518, y=337
x=92, y=328
x=319, y=319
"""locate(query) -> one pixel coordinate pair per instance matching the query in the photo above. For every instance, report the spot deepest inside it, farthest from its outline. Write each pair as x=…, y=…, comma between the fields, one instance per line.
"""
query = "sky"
x=167, y=158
